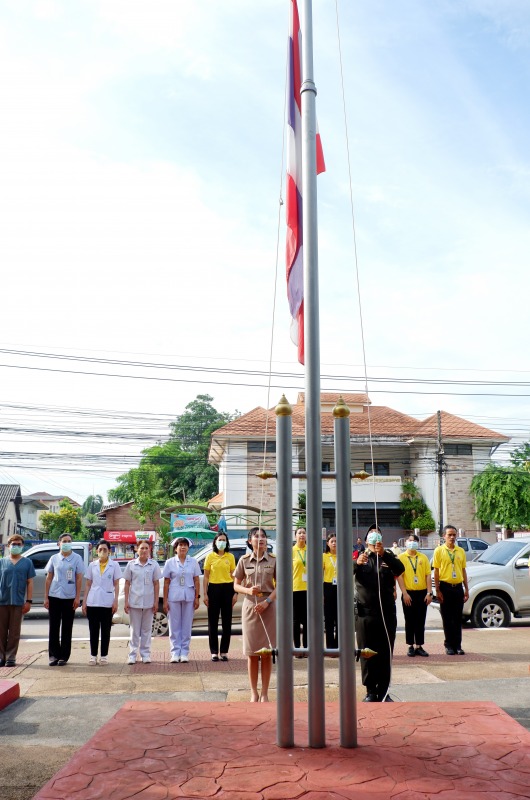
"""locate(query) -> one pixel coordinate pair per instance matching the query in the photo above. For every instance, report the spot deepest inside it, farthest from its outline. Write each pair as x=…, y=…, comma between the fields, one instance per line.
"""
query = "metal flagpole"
x=284, y=575
x=313, y=445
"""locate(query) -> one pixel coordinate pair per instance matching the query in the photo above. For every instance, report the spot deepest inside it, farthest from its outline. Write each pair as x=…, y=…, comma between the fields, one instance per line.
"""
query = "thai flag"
x=294, y=248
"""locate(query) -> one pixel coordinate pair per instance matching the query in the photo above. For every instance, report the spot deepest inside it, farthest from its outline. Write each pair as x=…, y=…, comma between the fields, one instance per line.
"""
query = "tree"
x=143, y=487
x=415, y=512
x=92, y=505
x=502, y=495
x=67, y=520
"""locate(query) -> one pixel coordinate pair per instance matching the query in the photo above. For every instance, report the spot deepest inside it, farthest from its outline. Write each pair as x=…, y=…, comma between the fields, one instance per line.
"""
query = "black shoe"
x=370, y=698
x=421, y=652
x=215, y=657
x=387, y=699
x=11, y=663
x=449, y=651
x=411, y=652
x=62, y=663
x=2, y=662
x=53, y=662
x=460, y=652
x=224, y=658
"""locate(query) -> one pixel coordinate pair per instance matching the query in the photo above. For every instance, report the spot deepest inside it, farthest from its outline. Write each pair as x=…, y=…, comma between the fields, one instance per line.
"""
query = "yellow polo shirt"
x=299, y=569
x=450, y=563
x=220, y=567
x=329, y=565
x=416, y=567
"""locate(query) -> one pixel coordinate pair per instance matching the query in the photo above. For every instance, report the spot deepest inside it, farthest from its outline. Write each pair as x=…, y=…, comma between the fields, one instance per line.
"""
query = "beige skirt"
x=259, y=630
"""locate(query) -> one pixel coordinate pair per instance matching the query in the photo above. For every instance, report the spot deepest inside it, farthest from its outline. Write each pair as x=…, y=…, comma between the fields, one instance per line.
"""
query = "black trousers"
x=60, y=631
x=415, y=616
x=331, y=616
x=300, y=617
x=451, y=611
x=220, y=597
x=371, y=632
x=99, y=620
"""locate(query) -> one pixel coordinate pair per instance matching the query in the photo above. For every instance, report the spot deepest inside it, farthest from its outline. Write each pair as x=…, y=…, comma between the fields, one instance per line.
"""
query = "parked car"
x=238, y=547
x=40, y=554
x=473, y=547
x=499, y=585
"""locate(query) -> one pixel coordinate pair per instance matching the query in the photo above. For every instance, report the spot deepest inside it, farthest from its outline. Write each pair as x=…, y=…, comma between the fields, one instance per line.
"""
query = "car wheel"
x=160, y=624
x=491, y=612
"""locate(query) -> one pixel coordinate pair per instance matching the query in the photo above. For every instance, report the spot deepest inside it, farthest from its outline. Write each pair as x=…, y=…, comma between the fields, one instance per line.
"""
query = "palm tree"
x=92, y=504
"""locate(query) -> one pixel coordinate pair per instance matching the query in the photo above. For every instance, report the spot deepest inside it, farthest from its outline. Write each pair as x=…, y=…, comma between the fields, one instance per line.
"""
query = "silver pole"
x=347, y=695
x=316, y=710
x=284, y=576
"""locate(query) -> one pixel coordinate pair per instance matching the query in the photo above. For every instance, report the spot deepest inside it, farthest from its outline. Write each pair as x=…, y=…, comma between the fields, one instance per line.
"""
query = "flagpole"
x=316, y=682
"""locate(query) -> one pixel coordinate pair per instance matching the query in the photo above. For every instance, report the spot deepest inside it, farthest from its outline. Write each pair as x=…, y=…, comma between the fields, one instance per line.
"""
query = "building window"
x=380, y=467
x=259, y=447
x=326, y=466
x=458, y=450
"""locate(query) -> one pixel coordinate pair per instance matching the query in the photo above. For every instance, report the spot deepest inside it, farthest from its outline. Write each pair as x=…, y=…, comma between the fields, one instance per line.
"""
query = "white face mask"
x=374, y=538
x=221, y=544
x=411, y=545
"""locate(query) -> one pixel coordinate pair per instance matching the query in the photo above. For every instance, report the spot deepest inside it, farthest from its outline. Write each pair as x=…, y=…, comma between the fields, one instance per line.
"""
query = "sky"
x=142, y=236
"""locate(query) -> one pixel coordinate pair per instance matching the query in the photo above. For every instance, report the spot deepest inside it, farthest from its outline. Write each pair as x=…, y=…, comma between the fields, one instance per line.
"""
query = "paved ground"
x=61, y=708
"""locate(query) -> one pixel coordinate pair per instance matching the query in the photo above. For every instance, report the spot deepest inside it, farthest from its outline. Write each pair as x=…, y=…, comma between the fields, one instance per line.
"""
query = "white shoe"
x=104, y=660
x=146, y=660
x=93, y=661
x=131, y=660
x=174, y=659
x=184, y=659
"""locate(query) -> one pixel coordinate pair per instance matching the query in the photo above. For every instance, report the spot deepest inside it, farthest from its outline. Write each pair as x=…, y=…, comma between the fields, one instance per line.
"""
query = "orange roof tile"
x=454, y=427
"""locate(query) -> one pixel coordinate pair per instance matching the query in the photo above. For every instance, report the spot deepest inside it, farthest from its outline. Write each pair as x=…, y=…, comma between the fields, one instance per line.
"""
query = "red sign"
x=129, y=537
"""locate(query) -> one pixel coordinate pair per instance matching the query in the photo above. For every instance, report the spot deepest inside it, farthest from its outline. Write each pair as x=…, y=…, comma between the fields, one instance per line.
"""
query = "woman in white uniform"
x=142, y=585
x=181, y=598
x=101, y=601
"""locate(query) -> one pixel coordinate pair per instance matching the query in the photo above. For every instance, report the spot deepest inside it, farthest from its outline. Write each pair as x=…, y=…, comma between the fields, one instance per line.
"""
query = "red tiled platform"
x=9, y=692
x=226, y=751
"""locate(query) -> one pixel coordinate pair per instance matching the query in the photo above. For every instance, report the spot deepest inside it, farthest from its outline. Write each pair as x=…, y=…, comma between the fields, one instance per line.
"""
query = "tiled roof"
x=217, y=500
x=381, y=420
x=49, y=497
x=8, y=492
x=331, y=397
x=456, y=428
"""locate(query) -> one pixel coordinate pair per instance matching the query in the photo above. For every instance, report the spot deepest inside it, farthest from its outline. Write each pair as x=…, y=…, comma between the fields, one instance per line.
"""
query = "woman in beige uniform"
x=255, y=577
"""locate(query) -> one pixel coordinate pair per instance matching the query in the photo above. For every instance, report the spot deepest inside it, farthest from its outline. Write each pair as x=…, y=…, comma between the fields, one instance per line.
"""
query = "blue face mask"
x=411, y=545
x=16, y=549
x=66, y=547
x=374, y=538
x=221, y=544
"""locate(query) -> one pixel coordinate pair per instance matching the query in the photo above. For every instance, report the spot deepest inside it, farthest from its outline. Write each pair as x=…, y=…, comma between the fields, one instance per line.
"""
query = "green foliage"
x=502, y=495
x=177, y=469
x=520, y=456
x=92, y=504
x=415, y=513
x=66, y=520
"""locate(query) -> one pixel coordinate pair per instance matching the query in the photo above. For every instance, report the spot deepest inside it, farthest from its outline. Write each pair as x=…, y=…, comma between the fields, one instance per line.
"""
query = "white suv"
x=499, y=585
x=238, y=547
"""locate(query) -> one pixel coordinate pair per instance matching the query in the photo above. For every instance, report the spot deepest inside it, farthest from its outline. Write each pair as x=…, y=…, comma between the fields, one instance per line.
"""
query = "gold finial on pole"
x=265, y=475
x=283, y=409
x=341, y=409
x=362, y=475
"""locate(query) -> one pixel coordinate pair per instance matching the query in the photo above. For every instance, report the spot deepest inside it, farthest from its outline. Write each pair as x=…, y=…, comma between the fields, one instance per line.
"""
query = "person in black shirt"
x=376, y=571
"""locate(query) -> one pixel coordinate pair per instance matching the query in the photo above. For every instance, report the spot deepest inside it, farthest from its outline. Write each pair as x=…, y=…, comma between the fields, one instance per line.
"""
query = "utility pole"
x=440, y=470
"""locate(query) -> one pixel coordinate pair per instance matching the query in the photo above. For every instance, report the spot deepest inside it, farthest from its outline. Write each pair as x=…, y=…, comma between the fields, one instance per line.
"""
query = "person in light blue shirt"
x=181, y=598
x=142, y=587
x=62, y=595
x=16, y=592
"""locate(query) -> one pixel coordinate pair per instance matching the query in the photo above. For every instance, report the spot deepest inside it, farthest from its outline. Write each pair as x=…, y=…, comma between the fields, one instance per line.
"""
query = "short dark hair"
x=251, y=533
x=61, y=537
x=16, y=536
x=214, y=543
x=413, y=537
x=103, y=542
x=450, y=528
x=328, y=537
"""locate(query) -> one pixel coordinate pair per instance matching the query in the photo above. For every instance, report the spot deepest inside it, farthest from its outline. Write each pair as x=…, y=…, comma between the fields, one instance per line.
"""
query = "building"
x=52, y=502
x=404, y=449
x=10, y=500
x=31, y=510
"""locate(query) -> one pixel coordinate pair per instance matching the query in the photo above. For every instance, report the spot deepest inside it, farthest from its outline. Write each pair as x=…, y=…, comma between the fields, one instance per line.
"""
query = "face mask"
x=221, y=544
x=66, y=547
x=16, y=549
x=374, y=538
x=411, y=545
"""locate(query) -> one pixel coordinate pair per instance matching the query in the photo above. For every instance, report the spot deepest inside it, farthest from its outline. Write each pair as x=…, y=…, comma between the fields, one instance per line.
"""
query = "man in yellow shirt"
x=450, y=580
x=418, y=595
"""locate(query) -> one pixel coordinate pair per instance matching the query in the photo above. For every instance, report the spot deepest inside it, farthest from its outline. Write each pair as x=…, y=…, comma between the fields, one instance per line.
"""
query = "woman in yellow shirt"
x=300, y=589
x=329, y=565
x=219, y=595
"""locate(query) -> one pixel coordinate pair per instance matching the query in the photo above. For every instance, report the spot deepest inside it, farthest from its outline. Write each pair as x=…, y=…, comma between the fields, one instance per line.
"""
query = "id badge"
x=147, y=580
x=304, y=577
x=182, y=580
x=415, y=579
x=334, y=582
x=69, y=575
x=454, y=575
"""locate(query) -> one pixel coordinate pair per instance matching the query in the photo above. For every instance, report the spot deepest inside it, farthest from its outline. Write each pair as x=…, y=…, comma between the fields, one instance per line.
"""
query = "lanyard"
x=303, y=560
x=451, y=555
x=415, y=565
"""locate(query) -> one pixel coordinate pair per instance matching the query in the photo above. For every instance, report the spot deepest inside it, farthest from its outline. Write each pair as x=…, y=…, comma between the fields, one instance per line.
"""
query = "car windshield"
x=501, y=553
